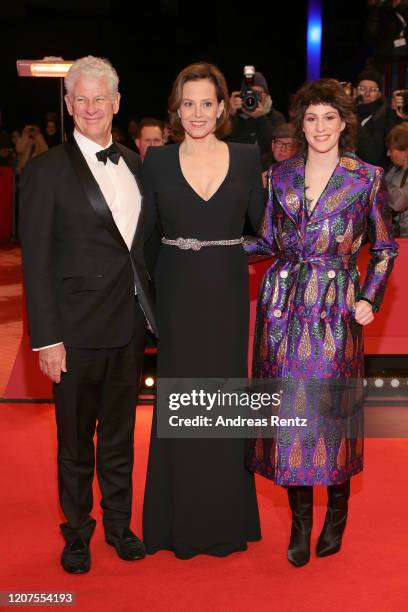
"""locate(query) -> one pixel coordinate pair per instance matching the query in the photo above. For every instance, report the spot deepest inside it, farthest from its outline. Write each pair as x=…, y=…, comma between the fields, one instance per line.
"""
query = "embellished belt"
x=195, y=245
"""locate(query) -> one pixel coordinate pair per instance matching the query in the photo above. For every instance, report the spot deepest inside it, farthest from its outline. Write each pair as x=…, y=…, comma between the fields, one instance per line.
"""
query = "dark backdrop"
x=151, y=41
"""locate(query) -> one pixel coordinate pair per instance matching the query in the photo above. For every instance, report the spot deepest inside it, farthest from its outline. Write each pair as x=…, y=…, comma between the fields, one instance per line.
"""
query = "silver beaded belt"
x=195, y=245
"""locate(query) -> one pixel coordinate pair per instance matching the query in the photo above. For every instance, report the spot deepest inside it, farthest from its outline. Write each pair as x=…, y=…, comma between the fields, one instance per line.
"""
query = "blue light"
x=314, y=39
x=315, y=34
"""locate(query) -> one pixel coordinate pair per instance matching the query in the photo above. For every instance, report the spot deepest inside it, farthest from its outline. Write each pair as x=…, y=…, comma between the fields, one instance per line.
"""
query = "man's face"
x=369, y=91
x=283, y=148
x=398, y=157
x=150, y=136
x=92, y=106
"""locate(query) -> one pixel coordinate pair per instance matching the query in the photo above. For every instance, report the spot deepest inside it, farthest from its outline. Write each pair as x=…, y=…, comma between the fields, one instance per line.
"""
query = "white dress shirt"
x=119, y=188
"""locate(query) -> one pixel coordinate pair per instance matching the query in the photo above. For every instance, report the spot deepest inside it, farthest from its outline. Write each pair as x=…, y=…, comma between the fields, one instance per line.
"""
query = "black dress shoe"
x=76, y=558
x=128, y=546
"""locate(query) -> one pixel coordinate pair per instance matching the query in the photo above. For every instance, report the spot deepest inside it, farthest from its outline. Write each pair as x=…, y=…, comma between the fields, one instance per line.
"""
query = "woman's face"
x=199, y=108
x=322, y=126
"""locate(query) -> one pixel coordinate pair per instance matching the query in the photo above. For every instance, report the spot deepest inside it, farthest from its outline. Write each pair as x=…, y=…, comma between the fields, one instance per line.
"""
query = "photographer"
x=375, y=118
x=396, y=177
x=386, y=30
x=30, y=144
x=254, y=126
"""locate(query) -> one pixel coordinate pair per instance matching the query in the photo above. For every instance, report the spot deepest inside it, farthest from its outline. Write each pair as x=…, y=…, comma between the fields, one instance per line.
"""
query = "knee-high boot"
x=301, y=504
x=329, y=541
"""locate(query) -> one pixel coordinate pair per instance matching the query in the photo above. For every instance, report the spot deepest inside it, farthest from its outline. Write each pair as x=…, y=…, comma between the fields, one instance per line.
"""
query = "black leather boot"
x=301, y=504
x=329, y=541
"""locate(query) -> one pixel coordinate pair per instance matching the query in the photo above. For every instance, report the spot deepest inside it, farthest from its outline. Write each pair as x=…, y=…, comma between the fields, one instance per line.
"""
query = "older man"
x=88, y=303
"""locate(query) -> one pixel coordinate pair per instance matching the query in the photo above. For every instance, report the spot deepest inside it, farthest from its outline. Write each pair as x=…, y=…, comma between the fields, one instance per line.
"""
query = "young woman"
x=322, y=206
x=200, y=497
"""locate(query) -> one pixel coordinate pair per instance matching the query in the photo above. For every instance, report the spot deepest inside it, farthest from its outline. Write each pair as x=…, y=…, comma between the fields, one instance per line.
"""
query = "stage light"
x=365, y=383
x=149, y=381
x=379, y=382
x=314, y=39
x=395, y=383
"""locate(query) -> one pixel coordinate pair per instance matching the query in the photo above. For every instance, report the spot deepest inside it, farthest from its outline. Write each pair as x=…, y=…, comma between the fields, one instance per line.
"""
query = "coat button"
x=323, y=314
x=277, y=313
x=283, y=274
x=331, y=274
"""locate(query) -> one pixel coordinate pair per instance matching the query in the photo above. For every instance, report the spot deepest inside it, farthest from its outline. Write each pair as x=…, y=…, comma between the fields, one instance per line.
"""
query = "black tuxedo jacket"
x=79, y=275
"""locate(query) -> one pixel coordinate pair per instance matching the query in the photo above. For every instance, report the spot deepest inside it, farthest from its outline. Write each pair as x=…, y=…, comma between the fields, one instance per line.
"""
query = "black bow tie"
x=112, y=152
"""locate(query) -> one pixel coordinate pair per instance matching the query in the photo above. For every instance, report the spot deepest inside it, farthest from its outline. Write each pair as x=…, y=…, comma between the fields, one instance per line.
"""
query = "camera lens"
x=250, y=102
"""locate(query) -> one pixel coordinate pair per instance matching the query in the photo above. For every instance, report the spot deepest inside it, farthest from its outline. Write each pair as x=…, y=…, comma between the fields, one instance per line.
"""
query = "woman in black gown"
x=200, y=497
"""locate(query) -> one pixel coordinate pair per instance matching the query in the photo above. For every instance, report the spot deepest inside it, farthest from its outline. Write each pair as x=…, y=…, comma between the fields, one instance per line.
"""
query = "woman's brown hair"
x=197, y=72
x=330, y=92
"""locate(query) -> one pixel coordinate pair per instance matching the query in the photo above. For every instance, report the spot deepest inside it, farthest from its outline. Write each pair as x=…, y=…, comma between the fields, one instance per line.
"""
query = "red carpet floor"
x=370, y=573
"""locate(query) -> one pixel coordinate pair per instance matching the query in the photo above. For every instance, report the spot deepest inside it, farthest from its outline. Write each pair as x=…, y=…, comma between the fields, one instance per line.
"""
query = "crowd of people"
x=263, y=125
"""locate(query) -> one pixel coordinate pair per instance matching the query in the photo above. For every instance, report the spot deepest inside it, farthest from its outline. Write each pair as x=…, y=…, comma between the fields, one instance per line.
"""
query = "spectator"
x=255, y=126
x=118, y=135
x=375, y=118
x=284, y=145
x=396, y=177
x=51, y=136
x=386, y=31
x=150, y=134
x=30, y=144
x=132, y=129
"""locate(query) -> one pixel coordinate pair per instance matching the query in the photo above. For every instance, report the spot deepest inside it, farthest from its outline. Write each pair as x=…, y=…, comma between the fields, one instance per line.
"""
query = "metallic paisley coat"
x=305, y=329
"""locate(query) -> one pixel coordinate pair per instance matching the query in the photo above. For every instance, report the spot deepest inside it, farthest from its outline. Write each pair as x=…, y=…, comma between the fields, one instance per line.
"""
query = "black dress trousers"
x=99, y=392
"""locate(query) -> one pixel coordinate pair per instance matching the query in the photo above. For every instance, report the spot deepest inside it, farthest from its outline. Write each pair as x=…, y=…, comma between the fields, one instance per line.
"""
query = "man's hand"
x=363, y=313
x=397, y=103
x=235, y=102
x=52, y=362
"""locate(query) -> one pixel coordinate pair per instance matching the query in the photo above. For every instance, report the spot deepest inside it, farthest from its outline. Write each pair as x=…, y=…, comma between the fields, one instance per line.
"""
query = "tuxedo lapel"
x=135, y=166
x=92, y=189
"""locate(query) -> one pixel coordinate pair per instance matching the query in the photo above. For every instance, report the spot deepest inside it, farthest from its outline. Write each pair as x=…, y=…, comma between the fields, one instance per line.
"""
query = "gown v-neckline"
x=192, y=188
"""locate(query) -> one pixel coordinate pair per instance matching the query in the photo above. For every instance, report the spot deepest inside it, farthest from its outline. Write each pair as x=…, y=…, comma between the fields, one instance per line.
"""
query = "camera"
x=250, y=98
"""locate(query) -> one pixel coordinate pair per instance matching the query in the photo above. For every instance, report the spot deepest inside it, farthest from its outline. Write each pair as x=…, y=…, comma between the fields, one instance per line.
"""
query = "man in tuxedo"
x=88, y=306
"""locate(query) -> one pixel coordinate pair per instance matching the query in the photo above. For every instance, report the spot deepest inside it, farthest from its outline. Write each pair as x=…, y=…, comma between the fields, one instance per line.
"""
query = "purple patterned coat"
x=305, y=325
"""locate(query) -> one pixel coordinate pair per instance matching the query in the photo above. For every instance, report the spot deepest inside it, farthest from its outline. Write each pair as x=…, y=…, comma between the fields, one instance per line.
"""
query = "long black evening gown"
x=200, y=497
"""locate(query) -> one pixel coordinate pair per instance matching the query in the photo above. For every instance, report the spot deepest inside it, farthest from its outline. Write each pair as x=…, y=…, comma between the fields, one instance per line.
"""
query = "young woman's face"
x=322, y=126
x=199, y=108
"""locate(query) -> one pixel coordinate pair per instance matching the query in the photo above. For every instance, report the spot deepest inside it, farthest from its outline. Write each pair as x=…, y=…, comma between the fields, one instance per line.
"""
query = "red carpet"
x=370, y=573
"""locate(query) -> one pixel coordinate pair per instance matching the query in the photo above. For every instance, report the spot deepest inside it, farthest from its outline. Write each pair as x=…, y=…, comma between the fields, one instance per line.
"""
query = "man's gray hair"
x=93, y=67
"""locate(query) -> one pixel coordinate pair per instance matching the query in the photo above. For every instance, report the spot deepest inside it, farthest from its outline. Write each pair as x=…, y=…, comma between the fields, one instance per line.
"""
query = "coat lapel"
x=92, y=189
x=343, y=189
x=289, y=187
